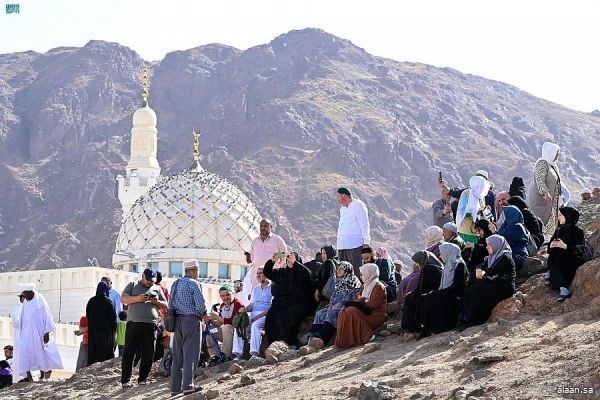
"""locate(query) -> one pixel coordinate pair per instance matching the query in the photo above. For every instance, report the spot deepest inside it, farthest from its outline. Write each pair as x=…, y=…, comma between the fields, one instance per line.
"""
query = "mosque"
x=165, y=220
x=192, y=214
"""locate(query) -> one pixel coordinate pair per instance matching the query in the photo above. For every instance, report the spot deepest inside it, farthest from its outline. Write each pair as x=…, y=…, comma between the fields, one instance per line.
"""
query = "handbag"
x=532, y=248
x=171, y=316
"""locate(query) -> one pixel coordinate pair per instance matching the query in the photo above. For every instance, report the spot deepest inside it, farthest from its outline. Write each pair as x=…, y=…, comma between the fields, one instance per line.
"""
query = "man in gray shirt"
x=144, y=299
x=442, y=212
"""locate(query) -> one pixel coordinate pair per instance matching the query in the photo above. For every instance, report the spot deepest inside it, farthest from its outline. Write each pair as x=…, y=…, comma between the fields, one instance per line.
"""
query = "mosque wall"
x=68, y=290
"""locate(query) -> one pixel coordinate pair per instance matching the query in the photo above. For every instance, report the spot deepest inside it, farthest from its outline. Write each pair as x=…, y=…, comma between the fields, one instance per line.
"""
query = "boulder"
x=374, y=391
x=255, y=361
x=305, y=350
x=235, y=368
x=246, y=380
x=508, y=309
x=212, y=394
x=276, y=349
x=370, y=347
x=288, y=355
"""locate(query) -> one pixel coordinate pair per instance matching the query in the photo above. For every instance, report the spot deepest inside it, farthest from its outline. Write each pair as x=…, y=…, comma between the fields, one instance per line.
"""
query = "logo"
x=12, y=8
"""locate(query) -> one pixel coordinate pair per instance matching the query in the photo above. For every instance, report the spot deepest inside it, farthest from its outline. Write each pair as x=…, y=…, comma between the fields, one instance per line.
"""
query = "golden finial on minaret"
x=195, y=163
x=145, y=85
x=196, y=136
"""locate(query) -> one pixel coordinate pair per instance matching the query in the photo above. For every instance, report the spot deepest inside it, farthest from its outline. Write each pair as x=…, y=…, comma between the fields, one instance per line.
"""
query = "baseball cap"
x=150, y=275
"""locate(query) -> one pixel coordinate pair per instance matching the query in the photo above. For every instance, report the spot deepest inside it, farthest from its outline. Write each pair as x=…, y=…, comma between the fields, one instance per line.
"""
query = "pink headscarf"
x=381, y=252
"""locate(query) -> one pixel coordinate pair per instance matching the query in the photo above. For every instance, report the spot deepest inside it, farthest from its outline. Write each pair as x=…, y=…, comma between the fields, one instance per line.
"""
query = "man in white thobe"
x=38, y=352
x=15, y=315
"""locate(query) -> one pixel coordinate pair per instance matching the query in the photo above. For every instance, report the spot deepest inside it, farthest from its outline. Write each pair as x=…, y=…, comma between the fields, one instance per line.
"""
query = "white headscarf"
x=549, y=153
x=370, y=276
x=451, y=255
x=469, y=202
x=433, y=235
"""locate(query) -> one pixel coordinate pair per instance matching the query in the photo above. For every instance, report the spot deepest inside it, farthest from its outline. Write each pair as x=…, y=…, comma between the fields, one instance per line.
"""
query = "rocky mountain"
x=287, y=121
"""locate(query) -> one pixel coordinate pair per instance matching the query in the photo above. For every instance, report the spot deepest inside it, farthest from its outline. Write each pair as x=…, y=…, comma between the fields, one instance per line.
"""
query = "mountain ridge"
x=286, y=121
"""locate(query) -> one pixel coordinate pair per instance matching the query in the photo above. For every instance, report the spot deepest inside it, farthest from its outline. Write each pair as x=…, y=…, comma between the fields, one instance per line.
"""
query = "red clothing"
x=229, y=313
x=83, y=323
x=164, y=290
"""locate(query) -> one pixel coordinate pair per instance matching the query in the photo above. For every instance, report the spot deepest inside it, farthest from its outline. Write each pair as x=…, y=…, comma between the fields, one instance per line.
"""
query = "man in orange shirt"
x=82, y=357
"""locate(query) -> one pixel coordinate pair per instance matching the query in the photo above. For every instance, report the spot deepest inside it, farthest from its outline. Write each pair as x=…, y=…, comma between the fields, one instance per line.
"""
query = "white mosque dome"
x=194, y=209
x=144, y=117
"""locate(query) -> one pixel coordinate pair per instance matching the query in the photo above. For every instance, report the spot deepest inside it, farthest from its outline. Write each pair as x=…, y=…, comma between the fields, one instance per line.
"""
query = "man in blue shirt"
x=188, y=302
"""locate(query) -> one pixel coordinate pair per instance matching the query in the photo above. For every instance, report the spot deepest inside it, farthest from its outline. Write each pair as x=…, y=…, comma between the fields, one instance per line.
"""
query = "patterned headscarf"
x=349, y=281
x=433, y=235
x=381, y=252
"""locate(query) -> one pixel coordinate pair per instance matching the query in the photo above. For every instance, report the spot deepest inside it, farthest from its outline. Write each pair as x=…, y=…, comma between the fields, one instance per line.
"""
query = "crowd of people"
x=478, y=242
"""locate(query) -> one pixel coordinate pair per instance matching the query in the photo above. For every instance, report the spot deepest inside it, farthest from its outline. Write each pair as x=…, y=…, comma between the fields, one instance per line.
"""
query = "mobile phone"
x=440, y=179
x=280, y=254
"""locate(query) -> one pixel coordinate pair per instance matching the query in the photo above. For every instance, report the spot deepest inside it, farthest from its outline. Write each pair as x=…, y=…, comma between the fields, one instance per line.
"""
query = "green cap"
x=229, y=288
x=344, y=190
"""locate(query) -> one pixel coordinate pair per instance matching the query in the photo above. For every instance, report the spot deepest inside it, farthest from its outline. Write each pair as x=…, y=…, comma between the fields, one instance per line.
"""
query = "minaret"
x=142, y=170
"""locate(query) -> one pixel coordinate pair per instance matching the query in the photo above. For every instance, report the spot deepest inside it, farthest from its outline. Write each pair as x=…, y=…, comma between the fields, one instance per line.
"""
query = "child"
x=121, y=327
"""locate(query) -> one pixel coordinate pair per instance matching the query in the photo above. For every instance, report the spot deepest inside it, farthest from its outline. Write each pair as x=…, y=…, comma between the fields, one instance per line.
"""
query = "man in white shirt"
x=353, y=230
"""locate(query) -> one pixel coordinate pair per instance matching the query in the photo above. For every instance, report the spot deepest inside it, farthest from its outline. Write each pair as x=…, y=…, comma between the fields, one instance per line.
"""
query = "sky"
x=547, y=48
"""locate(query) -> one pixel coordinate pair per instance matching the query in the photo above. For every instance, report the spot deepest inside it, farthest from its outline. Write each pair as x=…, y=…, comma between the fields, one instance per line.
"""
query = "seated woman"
x=324, y=279
x=293, y=300
x=410, y=281
x=495, y=282
x=357, y=320
x=565, y=251
x=429, y=279
x=439, y=308
x=223, y=320
x=515, y=234
x=434, y=236
x=479, y=252
x=532, y=223
x=325, y=322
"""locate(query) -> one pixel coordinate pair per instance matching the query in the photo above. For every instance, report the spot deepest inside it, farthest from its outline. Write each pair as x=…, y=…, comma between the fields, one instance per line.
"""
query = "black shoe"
x=423, y=335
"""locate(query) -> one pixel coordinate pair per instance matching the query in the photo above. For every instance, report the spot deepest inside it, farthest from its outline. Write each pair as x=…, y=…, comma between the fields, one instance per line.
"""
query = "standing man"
x=442, y=210
x=113, y=295
x=353, y=230
x=37, y=351
x=263, y=248
x=188, y=302
x=16, y=325
x=145, y=300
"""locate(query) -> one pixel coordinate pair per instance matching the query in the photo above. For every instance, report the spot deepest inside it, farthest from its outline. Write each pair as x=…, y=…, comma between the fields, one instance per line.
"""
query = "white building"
x=168, y=219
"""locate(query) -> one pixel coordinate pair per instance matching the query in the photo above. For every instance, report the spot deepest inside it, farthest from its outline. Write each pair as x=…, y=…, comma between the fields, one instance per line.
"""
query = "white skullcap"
x=483, y=173
x=27, y=287
x=190, y=264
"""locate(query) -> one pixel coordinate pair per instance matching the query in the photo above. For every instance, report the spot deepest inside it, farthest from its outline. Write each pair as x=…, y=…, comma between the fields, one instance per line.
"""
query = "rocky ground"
x=532, y=348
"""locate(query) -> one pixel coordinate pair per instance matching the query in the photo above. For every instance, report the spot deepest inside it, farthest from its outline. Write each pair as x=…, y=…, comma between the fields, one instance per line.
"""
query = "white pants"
x=255, y=336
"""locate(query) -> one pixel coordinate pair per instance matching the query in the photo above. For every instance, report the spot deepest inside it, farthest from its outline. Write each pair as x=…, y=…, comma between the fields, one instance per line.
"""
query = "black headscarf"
x=330, y=251
x=102, y=289
x=571, y=215
x=484, y=225
x=518, y=202
x=517, y=188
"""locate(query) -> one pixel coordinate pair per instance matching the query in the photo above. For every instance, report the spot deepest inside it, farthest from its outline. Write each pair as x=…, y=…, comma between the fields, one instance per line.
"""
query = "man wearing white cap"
x=37, y=351
x=16, y=324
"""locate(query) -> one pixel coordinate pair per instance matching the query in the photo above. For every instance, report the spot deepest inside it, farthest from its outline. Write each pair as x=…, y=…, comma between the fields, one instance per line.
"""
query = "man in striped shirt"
x=188, y=302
